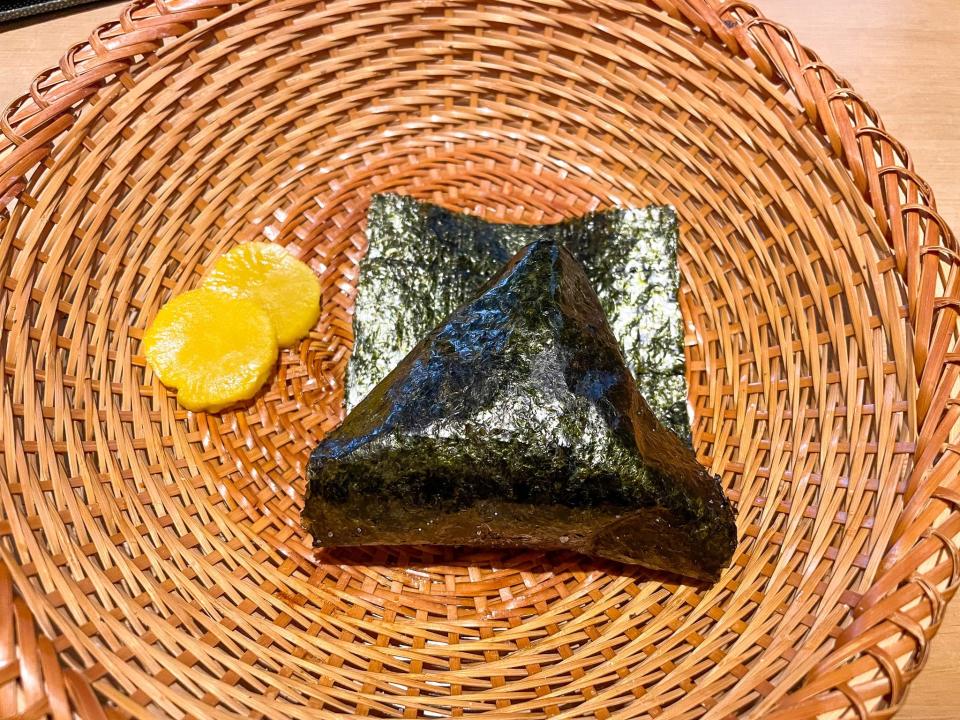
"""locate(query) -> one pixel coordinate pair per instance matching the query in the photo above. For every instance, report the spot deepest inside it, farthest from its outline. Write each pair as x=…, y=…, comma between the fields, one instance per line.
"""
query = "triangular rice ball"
x=516, y=423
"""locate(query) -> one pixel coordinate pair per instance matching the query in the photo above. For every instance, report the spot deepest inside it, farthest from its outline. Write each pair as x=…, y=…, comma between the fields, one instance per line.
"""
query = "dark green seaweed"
x=516, y=423
x=424, y=261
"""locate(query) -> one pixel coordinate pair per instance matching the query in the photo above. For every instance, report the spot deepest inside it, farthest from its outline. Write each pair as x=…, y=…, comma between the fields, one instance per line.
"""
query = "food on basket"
x=424, y=261
x=217, y=345
x=516, y=422
x=273, y=278
x=215, y=349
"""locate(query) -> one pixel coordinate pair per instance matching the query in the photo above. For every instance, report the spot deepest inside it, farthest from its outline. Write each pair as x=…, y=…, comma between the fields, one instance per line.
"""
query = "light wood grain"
x=901, y=55
x=28, y=46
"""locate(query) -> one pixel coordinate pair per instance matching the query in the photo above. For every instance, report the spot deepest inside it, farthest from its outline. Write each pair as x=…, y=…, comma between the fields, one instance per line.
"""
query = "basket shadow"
x=492, y=559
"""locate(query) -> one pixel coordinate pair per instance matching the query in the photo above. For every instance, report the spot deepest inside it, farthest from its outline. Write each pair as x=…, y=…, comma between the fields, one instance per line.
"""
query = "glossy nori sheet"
x=424, y=261
x=516, y=422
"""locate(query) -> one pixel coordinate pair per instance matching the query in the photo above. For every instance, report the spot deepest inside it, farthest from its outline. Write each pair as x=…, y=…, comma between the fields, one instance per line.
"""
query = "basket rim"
x=882, y=170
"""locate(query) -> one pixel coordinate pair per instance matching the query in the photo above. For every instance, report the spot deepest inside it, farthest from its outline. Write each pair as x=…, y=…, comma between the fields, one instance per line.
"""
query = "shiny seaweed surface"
x=516, y=422
x=424, y=261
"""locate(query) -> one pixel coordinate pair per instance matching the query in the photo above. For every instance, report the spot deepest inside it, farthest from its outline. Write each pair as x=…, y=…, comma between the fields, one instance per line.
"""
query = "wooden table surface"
x=902, y=55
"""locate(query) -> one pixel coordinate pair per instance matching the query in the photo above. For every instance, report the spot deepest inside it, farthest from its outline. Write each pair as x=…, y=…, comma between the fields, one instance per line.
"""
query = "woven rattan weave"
x=151, y=561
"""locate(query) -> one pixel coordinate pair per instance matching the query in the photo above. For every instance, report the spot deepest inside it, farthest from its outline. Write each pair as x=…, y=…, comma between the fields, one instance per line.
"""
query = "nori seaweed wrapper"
x=516, y=423
x=424, y=261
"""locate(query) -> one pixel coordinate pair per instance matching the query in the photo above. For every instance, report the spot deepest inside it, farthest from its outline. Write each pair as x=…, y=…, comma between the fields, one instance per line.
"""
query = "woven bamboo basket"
x=151, y=561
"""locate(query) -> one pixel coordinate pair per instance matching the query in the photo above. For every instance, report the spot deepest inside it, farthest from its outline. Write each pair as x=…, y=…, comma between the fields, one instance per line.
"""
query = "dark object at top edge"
x=14, y=10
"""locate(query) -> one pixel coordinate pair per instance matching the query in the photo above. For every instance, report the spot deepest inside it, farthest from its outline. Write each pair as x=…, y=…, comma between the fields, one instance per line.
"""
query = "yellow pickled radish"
x=270, y=276
x=215, y=349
